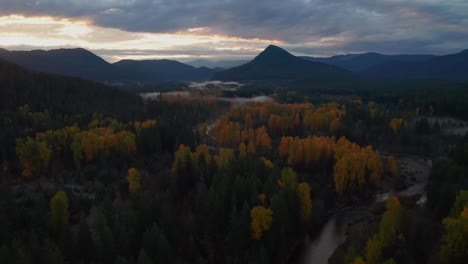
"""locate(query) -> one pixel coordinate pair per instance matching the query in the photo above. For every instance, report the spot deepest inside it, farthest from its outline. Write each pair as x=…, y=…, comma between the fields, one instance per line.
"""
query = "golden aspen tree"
x=374, y=166
x=396, y=124
x=224, y=158
x=341, y=171
x=182, y=157
x=251, y=147
x=201, y=151
x=303, y=192
x=359, y=260
x=263, y=140
x=284, y=146
x=288, y=179
x=261, y=219
x=373, y=250
x=274, y=122
x=242, y=150
x=267, y=163
x=262, y=197
x=148, y=123
x=391, y=222
x=244, y=135
x=134, y=180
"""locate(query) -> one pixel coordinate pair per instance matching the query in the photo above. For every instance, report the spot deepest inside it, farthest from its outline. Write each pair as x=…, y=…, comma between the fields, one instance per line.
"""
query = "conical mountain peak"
x=274, y=63
x=274, y=53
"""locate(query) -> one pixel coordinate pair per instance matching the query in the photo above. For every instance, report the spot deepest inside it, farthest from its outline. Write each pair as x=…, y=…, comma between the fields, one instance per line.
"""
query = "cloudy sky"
x=235, y=29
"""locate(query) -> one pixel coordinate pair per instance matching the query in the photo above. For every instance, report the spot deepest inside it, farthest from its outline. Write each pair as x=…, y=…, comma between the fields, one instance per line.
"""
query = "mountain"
x=361, y=62
x=218, y=69
x=275, y=63
x=85, y=64
x=71, y=62
x=160, y=70
x=453, y=66
x=224, y=64
x=60, y=94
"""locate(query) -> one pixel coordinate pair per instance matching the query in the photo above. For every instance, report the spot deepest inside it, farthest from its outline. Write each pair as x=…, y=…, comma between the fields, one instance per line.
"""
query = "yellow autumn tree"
x=454, y=243
x=262, y=198
x=267, y=163
x=224, y=158
x=355, y=167
x=261, y=219
x=373, y=165
x=373, y=250
x=284, y=146
x=134, y=180
x=263, y=140
x=182, y=158
x=303, y=192
x=288, y=179
x=391, y=222
x=242, y=150
x=341, y=171
x=396, y=124
x=359, y=260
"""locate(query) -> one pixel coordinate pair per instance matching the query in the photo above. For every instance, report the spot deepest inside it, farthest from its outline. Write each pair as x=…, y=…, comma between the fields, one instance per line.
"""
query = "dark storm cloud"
x=395, y=26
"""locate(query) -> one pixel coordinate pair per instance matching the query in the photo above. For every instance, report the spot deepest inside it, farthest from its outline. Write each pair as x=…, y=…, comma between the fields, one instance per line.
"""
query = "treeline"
x=434, y=97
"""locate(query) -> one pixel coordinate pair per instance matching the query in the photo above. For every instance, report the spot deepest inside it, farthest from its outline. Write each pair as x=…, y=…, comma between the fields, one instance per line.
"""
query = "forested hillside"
x=61, y=94
x=90, y=174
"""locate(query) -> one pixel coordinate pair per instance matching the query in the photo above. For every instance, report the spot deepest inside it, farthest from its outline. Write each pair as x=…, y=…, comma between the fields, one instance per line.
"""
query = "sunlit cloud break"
x=46, y=32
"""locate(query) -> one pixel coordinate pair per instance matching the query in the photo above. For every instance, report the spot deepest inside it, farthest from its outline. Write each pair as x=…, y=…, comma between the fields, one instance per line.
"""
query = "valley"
x=279, y=160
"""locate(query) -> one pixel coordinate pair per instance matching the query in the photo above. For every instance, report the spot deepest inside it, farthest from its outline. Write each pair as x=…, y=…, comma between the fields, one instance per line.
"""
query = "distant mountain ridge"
x=85, y=64
x=375, y=65
x=70, y=62
x=274, y=63
x=220, y=64
x=453, y=66
x=161, y=70
x=362, y=62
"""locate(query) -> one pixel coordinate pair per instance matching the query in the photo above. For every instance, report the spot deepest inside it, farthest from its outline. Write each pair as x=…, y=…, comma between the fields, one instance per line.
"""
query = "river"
x=317, y=250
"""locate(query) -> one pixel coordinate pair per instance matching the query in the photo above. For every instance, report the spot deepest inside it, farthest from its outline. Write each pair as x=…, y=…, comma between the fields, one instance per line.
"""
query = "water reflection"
x=320, y=248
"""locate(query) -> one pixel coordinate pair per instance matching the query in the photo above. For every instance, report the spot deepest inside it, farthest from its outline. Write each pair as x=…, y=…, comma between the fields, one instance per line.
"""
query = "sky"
x=234, y=29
